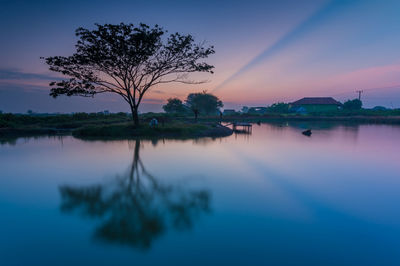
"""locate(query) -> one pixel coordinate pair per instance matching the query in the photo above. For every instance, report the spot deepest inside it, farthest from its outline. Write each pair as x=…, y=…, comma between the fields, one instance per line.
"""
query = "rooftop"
x=317, y=100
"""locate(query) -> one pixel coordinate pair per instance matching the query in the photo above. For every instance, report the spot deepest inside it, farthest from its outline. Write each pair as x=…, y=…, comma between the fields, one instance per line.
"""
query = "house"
x=316, y=104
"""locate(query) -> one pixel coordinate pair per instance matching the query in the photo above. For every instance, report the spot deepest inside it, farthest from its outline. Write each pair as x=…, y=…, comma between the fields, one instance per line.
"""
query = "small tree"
x=128, y=61
x=175, y=105
x=278, y=108
x=204, y=103
x=355, y=104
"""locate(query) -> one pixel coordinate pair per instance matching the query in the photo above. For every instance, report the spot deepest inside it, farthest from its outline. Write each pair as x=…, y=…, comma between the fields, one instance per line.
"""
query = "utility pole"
x=359, y=94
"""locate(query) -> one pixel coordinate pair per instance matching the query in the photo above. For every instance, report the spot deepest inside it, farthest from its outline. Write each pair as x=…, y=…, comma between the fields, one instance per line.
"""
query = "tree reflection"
x=135, y=207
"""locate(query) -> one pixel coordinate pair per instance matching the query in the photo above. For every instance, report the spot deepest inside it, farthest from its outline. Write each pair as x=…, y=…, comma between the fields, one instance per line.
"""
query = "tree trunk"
x=196, y=113
x=135, y=116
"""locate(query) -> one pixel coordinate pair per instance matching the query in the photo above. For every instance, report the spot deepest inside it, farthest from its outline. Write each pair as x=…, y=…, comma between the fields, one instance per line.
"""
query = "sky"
x=266, y=51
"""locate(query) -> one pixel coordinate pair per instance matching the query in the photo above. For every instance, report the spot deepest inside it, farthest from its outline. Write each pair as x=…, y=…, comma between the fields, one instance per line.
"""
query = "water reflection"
x=329, y=128
x=14, y=140
x=135, y=208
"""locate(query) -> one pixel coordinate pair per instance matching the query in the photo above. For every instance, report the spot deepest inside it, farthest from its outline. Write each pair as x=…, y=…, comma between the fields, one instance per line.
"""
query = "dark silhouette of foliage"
x=203, y=103
x=355, y=104
x=135, y=208
x=175, y=105
x=127, y=60
x=278, y=108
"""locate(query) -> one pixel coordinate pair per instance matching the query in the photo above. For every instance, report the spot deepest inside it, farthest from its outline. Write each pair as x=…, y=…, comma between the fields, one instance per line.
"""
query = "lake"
x=272, y=197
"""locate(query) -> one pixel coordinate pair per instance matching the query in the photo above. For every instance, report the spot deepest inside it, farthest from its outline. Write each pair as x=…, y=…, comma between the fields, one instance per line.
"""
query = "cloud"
x=158, y=92
x=153, y=101
x=314, y=20
x=17, y=99
x=13, y=74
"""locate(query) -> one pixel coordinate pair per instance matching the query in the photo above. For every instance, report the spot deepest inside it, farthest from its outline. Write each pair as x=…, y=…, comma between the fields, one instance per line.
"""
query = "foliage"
x=60, y=121
x=355, y=104
x=175, y=105
x=204, y=103
x=127, y=60
x=279, y=107
x=257, y=110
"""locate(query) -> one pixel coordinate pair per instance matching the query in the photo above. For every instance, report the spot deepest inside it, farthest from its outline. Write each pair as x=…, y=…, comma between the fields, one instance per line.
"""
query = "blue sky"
x=266, y=51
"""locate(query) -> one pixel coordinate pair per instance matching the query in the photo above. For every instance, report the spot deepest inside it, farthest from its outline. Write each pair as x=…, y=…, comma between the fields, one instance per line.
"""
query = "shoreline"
x=354, y=119
x=124, y=131
x=206, y=127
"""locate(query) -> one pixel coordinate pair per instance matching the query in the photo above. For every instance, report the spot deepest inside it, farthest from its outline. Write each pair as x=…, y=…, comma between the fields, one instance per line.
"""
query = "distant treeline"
x=8, y=120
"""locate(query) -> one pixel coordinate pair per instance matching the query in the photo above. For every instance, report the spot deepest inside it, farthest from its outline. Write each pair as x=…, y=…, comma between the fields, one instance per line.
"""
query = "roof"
x=317, y=100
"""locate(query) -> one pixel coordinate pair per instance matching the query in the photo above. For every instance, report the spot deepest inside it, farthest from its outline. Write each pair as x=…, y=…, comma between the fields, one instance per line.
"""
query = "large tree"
x=128, y=61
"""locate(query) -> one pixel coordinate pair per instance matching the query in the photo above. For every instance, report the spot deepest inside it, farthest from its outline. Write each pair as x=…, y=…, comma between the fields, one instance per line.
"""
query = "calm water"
x=274, y=197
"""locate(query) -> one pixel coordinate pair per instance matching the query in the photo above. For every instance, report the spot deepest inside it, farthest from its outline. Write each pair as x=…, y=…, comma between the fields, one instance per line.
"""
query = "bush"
x=355, y=104
x=282, y=108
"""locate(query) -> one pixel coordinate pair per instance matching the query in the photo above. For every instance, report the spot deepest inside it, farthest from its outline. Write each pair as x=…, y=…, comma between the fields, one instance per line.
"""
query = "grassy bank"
x=170, y=125
x=110, y=126
x=171, y=130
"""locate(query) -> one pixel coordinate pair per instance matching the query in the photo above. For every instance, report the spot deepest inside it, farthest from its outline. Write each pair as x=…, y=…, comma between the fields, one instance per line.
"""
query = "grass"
x=85, y=125
x=64, y=121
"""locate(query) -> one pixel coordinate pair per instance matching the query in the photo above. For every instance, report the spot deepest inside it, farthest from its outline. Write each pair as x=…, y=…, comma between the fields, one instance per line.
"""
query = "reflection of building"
x=316, y=104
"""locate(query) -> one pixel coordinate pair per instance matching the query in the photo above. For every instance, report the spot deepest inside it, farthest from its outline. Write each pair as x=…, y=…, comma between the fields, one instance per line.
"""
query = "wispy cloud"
x=158, y=92
x=318, y=17
x=13, y=77
x=13, y=74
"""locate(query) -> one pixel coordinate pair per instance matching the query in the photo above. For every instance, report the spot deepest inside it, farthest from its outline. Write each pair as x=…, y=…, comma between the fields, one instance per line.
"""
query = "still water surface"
x=274, y=197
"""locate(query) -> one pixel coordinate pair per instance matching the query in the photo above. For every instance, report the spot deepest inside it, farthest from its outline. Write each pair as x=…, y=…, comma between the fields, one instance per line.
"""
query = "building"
x=316, y=104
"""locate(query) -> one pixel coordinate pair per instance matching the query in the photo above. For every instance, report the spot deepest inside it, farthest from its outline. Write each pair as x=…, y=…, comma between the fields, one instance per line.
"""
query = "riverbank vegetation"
x=111, y=125
x=169, y=124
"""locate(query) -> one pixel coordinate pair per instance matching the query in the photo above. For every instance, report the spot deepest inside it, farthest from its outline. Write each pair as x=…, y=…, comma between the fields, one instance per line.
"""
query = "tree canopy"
x=355, y=104
x=127, y=60
x=175, y=105
x=279, y=107
x=204, y=103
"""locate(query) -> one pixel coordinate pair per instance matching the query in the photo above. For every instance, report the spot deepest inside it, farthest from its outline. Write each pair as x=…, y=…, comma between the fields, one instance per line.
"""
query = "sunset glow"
x=265, y=51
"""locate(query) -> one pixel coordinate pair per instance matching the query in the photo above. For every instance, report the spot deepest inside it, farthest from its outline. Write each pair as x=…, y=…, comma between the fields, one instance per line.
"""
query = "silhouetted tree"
x=278, y=108
x=128, y=61
x=135, y=207
x=175, y=105
x=244, y=109
x=203, y=102
x=355, y=104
